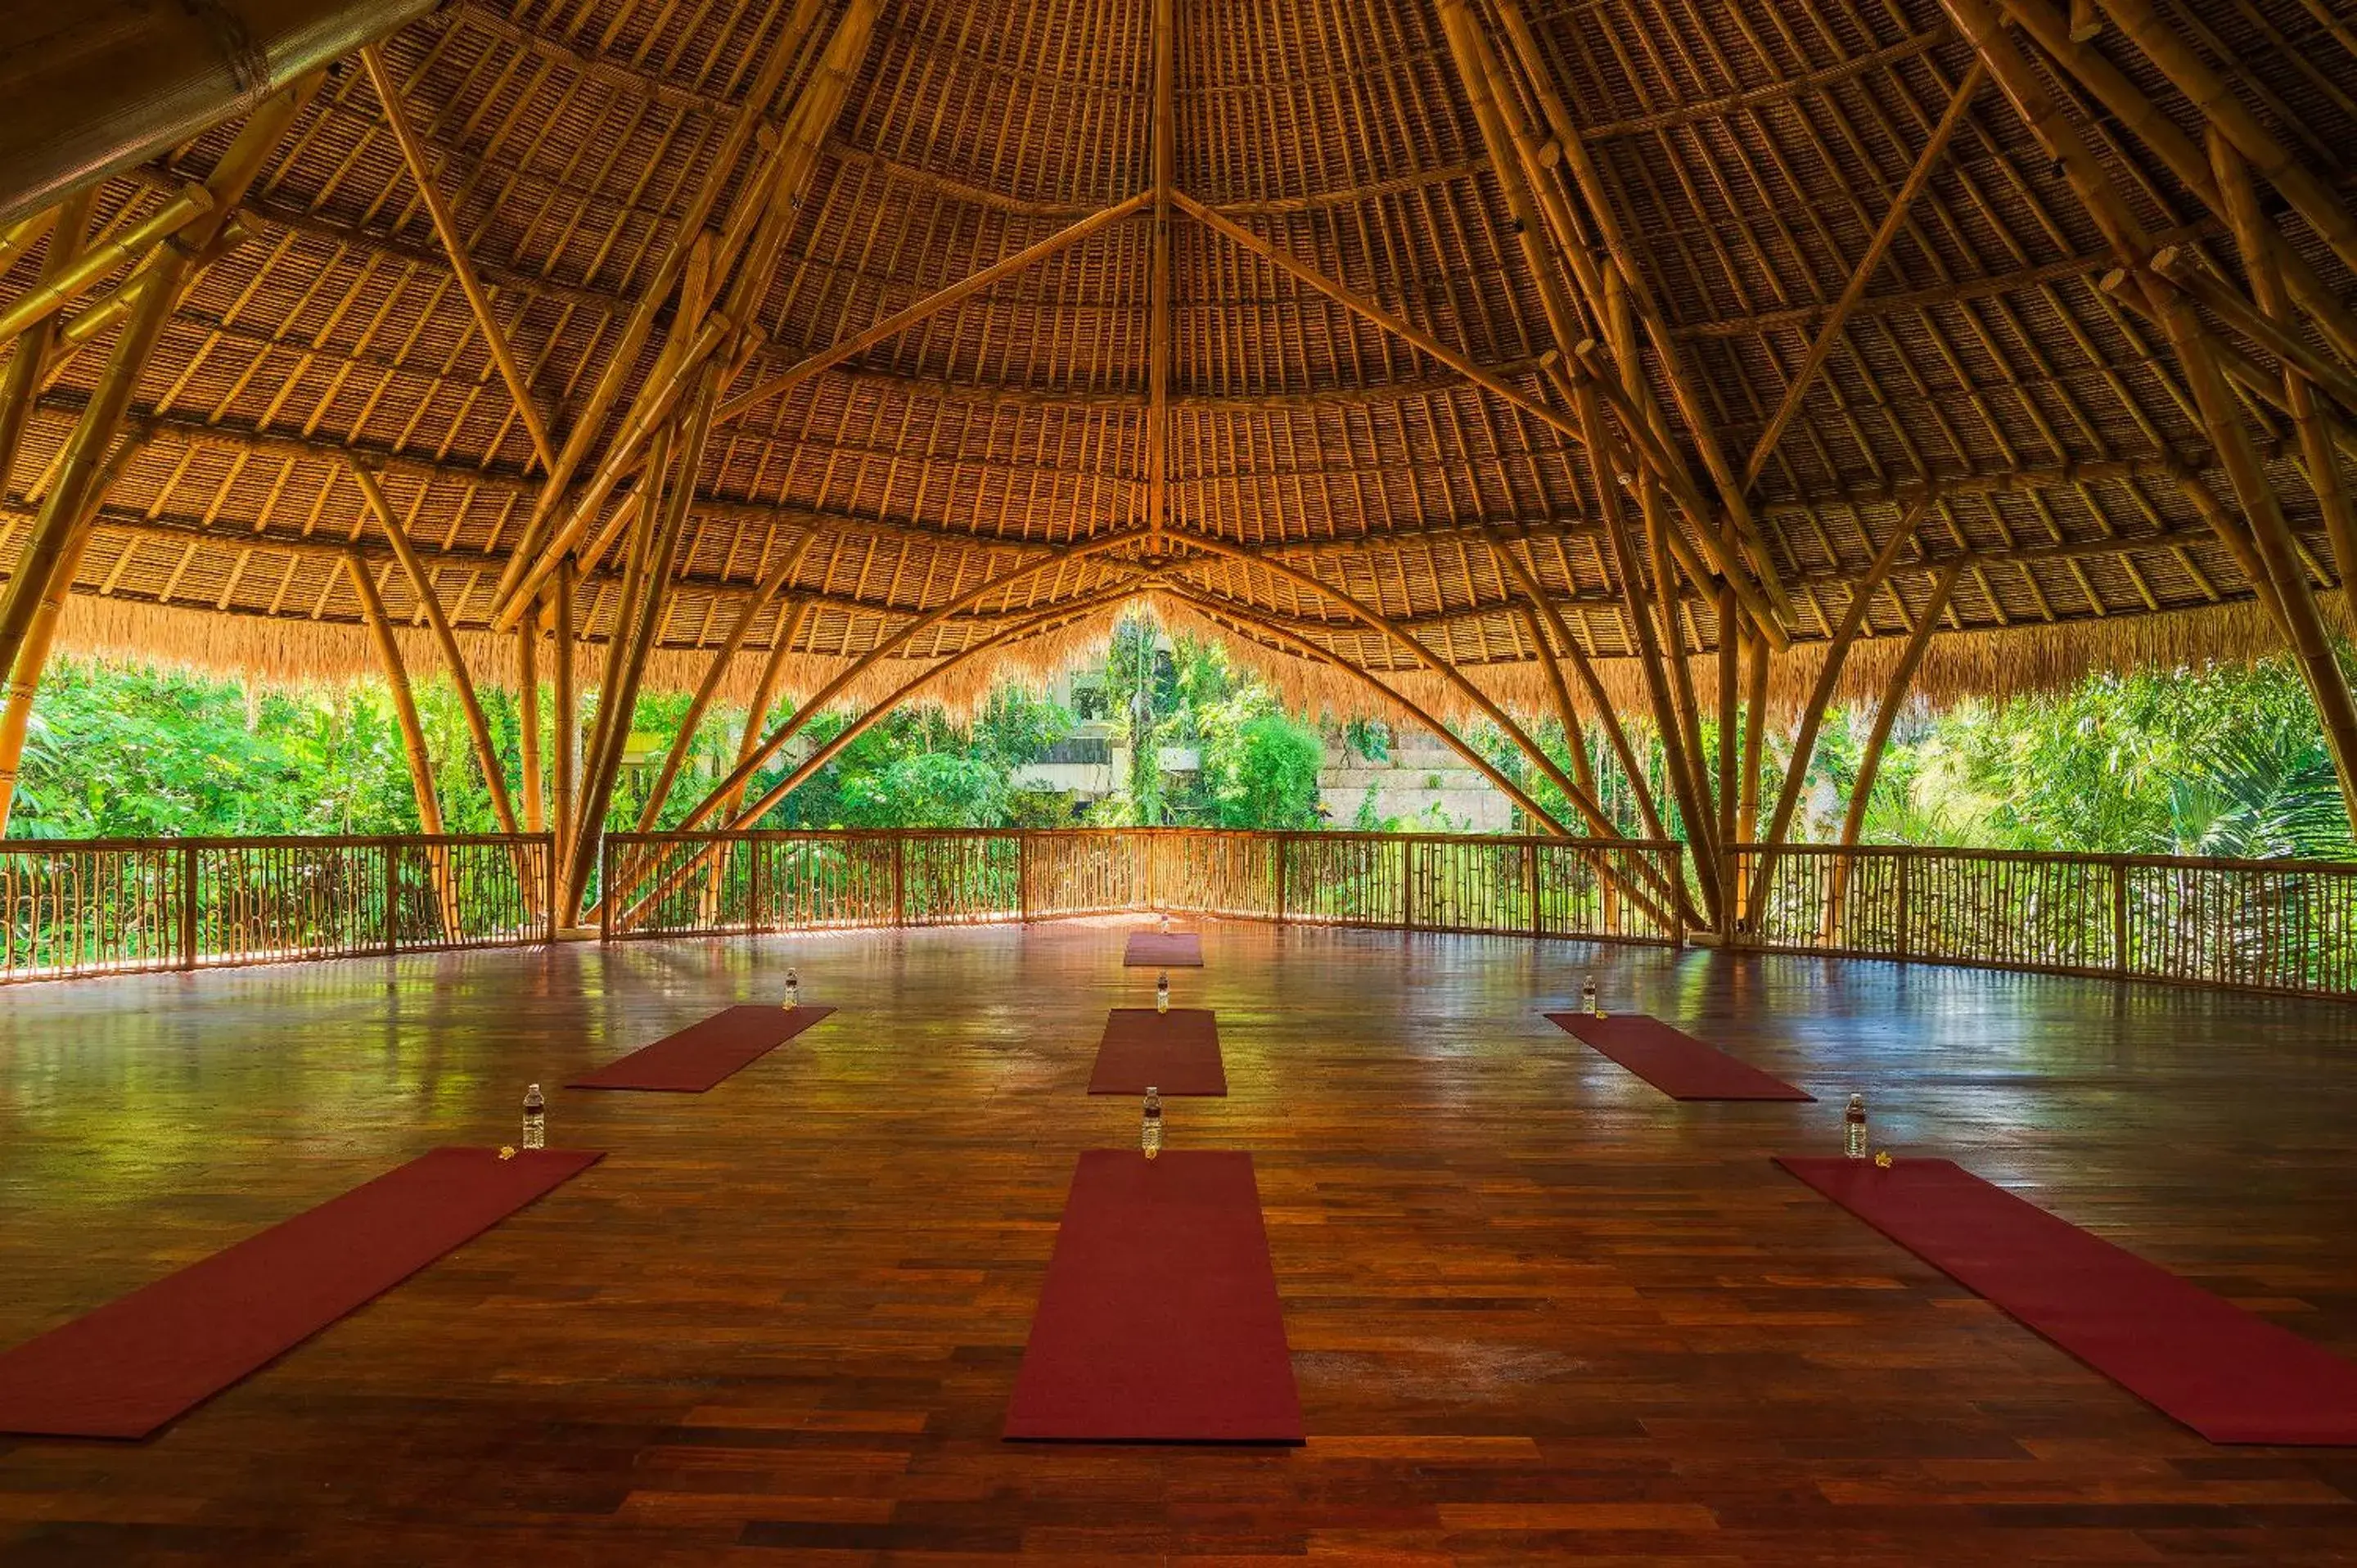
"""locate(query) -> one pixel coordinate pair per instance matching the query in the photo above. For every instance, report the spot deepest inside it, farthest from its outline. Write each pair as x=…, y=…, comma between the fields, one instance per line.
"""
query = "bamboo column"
x=1157, y=414
x=1894, y=694
x=565, y=729
x=24, y=682
x=413, y=742
x=1805, y=741
x=2251, y=227
x=527, y=635
x=723, y=659
x=479, y=729
x=2220, y=414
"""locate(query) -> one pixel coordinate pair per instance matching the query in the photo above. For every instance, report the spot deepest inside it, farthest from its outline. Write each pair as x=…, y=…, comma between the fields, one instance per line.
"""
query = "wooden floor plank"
x=1536, y=1309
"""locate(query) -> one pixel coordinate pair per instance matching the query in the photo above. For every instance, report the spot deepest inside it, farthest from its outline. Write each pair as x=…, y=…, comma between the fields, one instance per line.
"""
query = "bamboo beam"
x=1863, y=273
x=1157, y=419
x=1804, y=742
x=767, y=207
x=749, y=764
x=24, y=683
x=2215, y=97
x=421, y=174
x=93, y=266
x=721, y=658
x=20, y=386
x=2277, y=337
x=2317, y=453
x=66, y=507
x=1684, y=391
x=941, y=299
x=479, y=729
x=1358, y=304
x=94, y=88
x=737, y=821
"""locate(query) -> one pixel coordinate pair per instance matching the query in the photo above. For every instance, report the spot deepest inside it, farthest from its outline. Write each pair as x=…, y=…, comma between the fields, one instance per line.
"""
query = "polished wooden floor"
x=1537, y=1310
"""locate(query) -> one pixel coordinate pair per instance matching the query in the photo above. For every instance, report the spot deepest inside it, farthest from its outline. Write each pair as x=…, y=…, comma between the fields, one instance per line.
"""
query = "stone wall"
x=1421, y=776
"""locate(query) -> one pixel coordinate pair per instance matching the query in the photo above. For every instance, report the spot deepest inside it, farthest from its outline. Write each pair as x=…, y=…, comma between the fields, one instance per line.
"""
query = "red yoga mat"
x=2231, y=1377
x=1159, y=1320
x=1673, y=1060
x=704, y=1054
x=141, y=1361
x=1155, y=950
x=1176, y=1052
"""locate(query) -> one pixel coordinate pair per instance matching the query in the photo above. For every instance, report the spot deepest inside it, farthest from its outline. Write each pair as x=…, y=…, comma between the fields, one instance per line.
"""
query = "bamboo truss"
x=1568, y=359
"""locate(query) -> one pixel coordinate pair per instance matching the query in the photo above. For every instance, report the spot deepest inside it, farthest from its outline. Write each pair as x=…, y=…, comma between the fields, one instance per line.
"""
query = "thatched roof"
x=1749, y=151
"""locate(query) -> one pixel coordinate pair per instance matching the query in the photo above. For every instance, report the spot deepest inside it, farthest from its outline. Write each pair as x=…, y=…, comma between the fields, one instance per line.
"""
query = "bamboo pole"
x=622, y=363
x=1158, y=417
x=721, y=658
x=65, y=509
x=812, y=707
x=2322, y=462
x=1804, y=742
x=412, y=738
x=421, y=174
x=738, y=820
x=1894, y=695
x=1683, y=389
x=767, y=213
x=1730, y=647
x=1615, y=734
x=2214, y=96
x=535, y=809
x=2271, y=536
x=1581, y=801
x=565, y=730
x=479, y=729
x=1703, y=827
x=24, y=683
x=91, y=267
x=21, y=386
x=1822, y=346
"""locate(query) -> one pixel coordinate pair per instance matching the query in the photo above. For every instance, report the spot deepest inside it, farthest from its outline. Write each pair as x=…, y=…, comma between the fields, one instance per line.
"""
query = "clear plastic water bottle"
x=1166, y=925
x=793, y=989
x=1149, y=1132
x=1854, y=1128
x=535, y=1119
x=1587, y=998
x=1162, y=992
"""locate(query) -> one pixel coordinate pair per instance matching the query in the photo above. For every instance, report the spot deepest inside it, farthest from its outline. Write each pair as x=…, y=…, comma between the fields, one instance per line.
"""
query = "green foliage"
x=1267, y=778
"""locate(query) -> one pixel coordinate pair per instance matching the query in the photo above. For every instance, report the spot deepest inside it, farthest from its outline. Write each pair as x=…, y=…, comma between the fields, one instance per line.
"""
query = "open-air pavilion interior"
x=1656, y=374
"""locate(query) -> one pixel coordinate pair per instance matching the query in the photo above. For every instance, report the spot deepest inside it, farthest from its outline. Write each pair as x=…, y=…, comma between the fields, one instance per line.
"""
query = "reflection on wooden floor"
x=1536, y=1309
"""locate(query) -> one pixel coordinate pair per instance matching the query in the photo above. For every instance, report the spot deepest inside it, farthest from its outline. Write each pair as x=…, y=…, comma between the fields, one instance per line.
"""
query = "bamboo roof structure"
x=1355, y=330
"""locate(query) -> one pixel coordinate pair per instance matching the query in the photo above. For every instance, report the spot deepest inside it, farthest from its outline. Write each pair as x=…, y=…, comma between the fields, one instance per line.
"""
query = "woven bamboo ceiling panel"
x=1384, y=378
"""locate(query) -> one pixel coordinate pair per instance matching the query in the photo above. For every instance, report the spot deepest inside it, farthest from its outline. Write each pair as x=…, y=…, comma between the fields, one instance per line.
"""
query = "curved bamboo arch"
x=1221, y=609
x=1046, y=621
x=1578, y=796
x=752, y=761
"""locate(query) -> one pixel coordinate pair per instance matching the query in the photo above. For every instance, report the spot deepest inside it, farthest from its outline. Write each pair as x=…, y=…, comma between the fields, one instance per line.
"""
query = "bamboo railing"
x=75, y=906
x=685, y=883
x=2251, y=925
